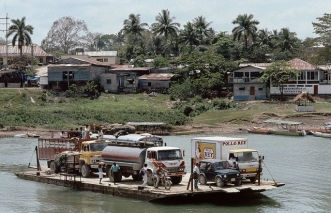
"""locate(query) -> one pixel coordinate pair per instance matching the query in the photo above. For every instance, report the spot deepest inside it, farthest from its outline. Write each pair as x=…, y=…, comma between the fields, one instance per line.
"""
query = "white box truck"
x=230, y=149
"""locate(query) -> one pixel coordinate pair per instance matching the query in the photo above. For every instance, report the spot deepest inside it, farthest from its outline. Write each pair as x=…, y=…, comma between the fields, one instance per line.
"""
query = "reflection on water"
x=295, y=161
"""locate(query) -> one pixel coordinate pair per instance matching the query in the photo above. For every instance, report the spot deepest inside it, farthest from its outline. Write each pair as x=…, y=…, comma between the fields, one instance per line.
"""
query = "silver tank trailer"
x=124, y=154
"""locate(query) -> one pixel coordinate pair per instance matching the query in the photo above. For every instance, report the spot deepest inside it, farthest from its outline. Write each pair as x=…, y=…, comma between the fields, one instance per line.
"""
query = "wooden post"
x=191, y=177
x=259, y=172
x=38, y=163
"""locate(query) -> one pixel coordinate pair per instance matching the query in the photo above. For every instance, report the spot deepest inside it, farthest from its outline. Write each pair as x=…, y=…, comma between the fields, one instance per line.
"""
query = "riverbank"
x=309, y=120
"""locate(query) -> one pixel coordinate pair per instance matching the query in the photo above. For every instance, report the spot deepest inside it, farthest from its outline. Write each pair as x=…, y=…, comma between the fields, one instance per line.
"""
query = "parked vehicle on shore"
x=218, y=171
x=229, y=149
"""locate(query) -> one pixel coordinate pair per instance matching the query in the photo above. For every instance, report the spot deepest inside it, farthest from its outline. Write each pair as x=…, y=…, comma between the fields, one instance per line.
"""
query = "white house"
x=108, y=57
x=245, y=83
x=313, y=79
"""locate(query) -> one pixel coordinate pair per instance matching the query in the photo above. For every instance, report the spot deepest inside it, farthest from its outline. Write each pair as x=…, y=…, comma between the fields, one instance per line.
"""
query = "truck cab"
x=248, y=162
x=91, y=156
x=171, y=159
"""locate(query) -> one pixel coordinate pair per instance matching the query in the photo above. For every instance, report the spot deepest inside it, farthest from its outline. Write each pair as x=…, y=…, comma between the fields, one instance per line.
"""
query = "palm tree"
x=133, y=27
x=165, y=25
x=21, y=33
x=287, y=40
x=246, y=27
x=202, y=29
x=188, y=36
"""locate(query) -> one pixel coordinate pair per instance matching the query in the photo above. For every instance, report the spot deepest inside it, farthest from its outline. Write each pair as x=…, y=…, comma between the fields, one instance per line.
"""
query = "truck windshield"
x=175, y=154
x=97, y=146
x=247, y=156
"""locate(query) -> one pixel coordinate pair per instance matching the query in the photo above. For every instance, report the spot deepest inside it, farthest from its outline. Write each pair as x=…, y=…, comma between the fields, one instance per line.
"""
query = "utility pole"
x=6, y=30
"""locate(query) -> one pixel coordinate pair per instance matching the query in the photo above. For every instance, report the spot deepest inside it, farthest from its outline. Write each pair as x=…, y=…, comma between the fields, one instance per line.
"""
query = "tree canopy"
x=21, y=33
x=65, y=34
x=279, y=73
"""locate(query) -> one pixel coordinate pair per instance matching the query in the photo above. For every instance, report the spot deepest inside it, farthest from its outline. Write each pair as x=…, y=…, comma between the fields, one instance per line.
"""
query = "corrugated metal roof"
x=301, y=65
x=242, y=68
x=129, y=68
x=26, y=50
x=90, y=61
x=100, y=53
x=259, y=65
x=69, y=65
x=157, y=76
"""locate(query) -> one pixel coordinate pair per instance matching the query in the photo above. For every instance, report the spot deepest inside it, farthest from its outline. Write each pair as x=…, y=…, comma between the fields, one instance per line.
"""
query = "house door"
x=315, y=89
x=252, y=91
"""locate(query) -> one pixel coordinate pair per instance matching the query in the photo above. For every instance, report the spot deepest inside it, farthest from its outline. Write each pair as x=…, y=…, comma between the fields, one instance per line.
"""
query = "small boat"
x=321, y=134
x=20, y=135
x=259, y=130
x=33, y=135
x=290, y=128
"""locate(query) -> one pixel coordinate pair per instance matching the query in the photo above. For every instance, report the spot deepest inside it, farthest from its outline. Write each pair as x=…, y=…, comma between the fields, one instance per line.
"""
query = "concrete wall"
x=113, y=86
x=244, y=95
x=304, y=108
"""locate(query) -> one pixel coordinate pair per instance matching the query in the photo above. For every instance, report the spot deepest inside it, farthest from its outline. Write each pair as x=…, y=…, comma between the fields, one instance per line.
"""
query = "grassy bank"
x=34, y=108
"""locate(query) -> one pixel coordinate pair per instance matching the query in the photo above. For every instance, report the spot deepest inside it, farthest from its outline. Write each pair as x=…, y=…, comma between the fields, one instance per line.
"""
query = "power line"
x=6, y=30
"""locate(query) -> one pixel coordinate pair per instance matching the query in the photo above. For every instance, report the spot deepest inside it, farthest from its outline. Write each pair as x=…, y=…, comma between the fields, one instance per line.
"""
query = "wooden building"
x=123, y=78
x=75, y=70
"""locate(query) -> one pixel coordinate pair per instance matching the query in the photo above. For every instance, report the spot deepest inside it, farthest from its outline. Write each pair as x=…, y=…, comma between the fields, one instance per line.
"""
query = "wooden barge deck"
x=129, y=188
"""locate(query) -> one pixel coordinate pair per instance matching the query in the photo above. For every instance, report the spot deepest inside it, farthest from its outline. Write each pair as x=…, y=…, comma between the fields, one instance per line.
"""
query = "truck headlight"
x=224, y=176
x=238, y=174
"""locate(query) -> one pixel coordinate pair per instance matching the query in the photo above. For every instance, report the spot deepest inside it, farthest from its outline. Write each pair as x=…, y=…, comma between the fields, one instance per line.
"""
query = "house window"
x=68, y=75
x=99, y=59
x=260, y=88
x=130, y=80
x=313, y=75
x=149, y=84
x=302, y=76
x=108, y=81
x=241, y=88
x=105, y=60
x=255, y=74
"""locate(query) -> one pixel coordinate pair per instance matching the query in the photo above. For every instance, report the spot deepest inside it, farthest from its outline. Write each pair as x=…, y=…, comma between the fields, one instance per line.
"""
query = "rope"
x=269, y=173
x=31, y=156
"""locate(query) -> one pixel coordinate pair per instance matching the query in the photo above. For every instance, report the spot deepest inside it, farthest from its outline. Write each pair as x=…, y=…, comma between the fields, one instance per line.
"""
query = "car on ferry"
x=218, y=171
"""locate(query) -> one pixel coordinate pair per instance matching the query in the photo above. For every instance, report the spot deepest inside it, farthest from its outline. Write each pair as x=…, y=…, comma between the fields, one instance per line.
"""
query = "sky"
x=107, y=16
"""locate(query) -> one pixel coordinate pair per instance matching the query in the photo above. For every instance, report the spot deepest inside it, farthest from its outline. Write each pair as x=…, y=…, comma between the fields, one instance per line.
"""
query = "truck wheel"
x=176, y=180
x=253, y=179
x=219, y=182
x=85, y=170
x=149, y=178
x=202, y=180
x=53, y=167
x=136, y=177
x=238, y=182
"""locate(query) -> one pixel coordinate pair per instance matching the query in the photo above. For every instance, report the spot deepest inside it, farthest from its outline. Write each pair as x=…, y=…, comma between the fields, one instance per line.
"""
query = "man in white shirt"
x=196, y=172
x=145, y=175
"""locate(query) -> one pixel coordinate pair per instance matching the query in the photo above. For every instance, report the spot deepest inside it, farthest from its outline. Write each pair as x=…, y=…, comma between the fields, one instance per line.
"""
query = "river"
x=299, y=162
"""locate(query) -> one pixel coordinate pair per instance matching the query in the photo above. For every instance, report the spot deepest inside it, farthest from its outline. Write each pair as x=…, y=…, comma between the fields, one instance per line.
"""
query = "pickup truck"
x=218, y=171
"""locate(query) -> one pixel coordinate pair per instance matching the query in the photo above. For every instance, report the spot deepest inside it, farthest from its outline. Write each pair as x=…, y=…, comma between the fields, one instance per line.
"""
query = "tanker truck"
x=132, y=157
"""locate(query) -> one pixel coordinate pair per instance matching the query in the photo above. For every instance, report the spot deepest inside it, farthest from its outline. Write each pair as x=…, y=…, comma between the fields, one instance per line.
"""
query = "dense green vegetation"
x=37, y=108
